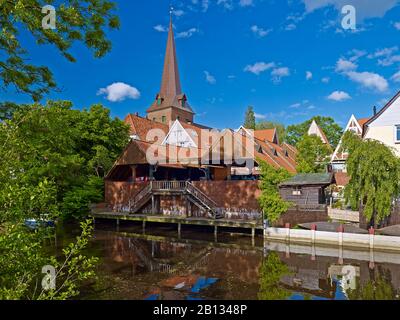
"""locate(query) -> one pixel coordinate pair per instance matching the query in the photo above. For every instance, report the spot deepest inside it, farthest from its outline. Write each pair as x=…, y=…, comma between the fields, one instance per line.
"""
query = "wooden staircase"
x=193, y=194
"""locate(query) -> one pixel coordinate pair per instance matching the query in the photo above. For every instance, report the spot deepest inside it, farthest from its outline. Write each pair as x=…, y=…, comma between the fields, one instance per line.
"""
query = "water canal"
x=160, y=265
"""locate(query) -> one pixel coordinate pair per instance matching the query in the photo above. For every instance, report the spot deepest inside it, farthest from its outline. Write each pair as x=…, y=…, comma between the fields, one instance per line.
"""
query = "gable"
x=388, y=116
x=178, y=136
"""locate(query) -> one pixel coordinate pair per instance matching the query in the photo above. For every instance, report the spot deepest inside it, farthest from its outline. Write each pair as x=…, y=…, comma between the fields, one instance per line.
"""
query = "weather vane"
x=171, y=10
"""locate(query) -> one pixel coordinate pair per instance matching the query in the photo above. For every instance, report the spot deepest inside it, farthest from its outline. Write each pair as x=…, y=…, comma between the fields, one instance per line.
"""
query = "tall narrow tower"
x=170, y=103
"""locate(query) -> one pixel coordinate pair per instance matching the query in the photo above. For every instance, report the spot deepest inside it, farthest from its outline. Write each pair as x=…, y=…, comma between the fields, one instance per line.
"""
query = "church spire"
x=170, y=83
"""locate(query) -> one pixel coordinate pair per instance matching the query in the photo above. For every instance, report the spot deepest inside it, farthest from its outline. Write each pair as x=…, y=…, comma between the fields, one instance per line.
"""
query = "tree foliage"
x=280, y=128
x=313, y=154
x=374, y=172
x=271, y=203
x=271, y=272
x=379, y=288
x=83, y=21
x=250, y=119
x=63, y=145
x=332, y=130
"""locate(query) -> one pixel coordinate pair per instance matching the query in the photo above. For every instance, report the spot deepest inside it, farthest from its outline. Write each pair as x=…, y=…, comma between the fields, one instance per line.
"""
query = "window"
x=397, y=134
x=178, y=118
x=154, y=119
x=159, y=100
x=296, y=192
x=163, y=119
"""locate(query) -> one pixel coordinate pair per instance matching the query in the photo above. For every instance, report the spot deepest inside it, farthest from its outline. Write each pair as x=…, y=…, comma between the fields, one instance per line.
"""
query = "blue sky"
x=290, y=59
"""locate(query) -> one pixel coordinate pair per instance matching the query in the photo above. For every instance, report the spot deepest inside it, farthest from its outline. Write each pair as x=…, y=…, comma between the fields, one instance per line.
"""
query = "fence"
x=350, y=240
x=344, y=215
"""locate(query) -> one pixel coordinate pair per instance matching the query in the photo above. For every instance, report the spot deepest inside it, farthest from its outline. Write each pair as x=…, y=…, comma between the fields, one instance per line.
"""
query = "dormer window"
x=159, y=100
x=183, y=102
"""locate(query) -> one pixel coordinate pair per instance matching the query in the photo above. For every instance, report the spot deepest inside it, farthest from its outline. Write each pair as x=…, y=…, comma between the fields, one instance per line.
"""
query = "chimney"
x=374, y=110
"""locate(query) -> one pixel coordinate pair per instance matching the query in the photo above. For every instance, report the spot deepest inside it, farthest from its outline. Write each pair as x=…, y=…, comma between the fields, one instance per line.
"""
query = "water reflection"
x=159, y=265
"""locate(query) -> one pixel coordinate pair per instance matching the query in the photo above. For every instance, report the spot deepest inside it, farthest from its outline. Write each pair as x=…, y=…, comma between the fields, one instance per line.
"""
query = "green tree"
x=83, y=21
x=250, y=119
x=313, y=155
x=374, y=172
x=271, y=203
x=280, y=128
x=379, y=288
x=271, y=272
x=63, y=145
x=332, y=130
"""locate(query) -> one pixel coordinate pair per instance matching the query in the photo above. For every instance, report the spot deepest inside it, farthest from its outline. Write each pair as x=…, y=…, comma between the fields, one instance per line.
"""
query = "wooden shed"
x=306, y=188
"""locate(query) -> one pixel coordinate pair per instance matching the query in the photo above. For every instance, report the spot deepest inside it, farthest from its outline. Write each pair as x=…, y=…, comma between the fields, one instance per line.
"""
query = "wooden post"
x=133, y=167
x=144, y=226
x=153, y=205
x=179, y=230
x=216, y=233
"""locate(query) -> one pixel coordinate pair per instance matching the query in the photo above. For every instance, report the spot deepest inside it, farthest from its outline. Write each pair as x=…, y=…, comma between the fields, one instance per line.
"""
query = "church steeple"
x=170, y=103
x=170, y=82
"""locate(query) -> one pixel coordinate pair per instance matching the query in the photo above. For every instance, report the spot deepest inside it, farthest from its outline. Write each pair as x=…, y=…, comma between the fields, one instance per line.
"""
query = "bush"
x=77, y=201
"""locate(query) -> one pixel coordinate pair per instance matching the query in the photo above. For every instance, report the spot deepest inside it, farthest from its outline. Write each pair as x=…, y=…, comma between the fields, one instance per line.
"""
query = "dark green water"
x=159, y=265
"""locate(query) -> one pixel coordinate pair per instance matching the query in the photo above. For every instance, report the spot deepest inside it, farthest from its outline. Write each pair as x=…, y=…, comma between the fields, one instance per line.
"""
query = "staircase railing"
x=204, y=199
x=168, y=185
x=146, y=191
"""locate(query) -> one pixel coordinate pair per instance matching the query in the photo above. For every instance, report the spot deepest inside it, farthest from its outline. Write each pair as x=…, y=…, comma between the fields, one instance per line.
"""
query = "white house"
x=339, y=157
x=316, y=130
x=385, y=125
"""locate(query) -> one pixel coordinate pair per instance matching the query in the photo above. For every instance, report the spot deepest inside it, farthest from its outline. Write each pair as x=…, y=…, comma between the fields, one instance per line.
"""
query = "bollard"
x=371, y=238
x=313, y=253
x=313, y=232
x=371, y=259
x=287, y=226
x=340, y=231
x=287, y=251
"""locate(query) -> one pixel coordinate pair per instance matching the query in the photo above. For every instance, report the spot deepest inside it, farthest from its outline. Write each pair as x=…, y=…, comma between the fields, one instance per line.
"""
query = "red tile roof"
x=266, y=135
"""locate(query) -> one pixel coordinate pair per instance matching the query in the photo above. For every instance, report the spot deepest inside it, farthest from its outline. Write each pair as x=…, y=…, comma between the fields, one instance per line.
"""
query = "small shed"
x=306, y=188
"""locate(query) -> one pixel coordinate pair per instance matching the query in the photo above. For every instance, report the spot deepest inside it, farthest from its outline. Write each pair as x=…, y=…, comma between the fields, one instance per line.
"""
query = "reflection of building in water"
x=310, y=277
x=346, y=274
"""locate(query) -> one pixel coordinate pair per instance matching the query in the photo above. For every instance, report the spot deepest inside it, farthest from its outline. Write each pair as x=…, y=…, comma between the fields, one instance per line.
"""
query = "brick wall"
x=295, y=217
x=120, y=192
x=232, y=194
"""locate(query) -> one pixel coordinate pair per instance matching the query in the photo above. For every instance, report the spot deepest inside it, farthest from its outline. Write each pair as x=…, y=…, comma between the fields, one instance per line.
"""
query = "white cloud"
x=365, y=9
x=160, y=28
x=386, y=56
x=309, y=75
x=187, y=33
x=260, y=116
x=325, y=79
x=259, y=67
x=356, y=54
x=260, y=31
x=369, y=80
x=210, y=78
x=119, y=91
x=385, y=52
x=295, y=105
x=278, y=73
x=343, y=65
x=245, y=3
x=397, y=25
x=227, y=4
x=178, y=13
x=290, y=27
x=339, y=96
x=396, y=77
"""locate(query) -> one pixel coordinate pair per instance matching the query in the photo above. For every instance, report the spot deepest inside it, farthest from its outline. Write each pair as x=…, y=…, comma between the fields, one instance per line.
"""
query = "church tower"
x=170, y=103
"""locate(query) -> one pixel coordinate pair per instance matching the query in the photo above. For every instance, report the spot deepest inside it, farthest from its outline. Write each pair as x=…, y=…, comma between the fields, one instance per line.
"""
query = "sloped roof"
x=266, y=135
x=316, y=129
x=309, y=179
x=342, y=179
x=140, y=126
x=387, y=106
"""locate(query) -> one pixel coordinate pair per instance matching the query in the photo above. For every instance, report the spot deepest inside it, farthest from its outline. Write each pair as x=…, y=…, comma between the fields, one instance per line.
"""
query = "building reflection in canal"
x=203, y=269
